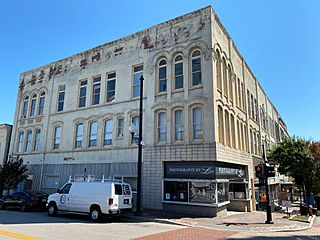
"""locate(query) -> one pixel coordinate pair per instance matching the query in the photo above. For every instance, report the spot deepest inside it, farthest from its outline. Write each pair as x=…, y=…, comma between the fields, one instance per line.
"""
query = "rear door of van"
x=123, y=195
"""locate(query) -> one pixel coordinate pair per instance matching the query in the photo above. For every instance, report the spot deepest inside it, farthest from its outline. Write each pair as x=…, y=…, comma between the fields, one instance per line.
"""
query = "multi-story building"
x=5, y=136
x=205, y=117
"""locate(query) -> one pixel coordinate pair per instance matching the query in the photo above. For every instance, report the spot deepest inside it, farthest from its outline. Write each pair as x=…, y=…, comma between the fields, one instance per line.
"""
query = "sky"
x=279, y=39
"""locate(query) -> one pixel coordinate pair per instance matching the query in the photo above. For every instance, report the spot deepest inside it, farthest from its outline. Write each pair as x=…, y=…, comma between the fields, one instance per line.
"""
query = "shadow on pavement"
x=291, y=237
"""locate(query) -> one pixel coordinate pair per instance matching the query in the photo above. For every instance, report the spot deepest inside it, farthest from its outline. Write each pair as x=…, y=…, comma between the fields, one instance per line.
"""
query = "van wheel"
x=52, y=209
x=95, y=214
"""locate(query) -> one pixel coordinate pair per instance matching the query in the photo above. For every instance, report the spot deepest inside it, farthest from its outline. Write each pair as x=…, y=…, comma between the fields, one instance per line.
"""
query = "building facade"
x=205, y=117
x=5, y=137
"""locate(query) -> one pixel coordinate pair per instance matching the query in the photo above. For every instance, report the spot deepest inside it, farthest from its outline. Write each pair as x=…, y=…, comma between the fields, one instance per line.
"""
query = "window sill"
x=179, y=90
x=196, y=87
x=161, y=94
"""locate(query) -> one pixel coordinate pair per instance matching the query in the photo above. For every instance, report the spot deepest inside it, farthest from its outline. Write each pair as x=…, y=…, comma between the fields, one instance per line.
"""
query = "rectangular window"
x=79, y=135
x=41, y=103
x=28, y=142
x=135, y=121
x=83, y=93
x=175, y=191
x=223, y=192
x=178, y=72
x=20, y=143
x=36, y=145
x=107, y=132
x=256, y=110
x=93, y=135
x=162, y=127
x=50, y=181
x=137, y=73
x=120, y=127
x=197, y=123
x=96, y=90
x=163, y=76
x=196, y=68
x=33, y=105
x=57, y=135
x=252, y=107
x=248, y=105
x=61, y=96
x=178, y=125
x=25, y=107
x=111, y=86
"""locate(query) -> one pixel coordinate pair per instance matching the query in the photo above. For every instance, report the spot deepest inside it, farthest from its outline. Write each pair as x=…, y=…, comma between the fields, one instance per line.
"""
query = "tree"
x=295, y=159
x=12, y=173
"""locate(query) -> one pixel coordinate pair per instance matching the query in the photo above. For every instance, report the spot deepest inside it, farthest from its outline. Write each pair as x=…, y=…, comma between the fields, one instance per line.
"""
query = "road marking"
x=18, y=236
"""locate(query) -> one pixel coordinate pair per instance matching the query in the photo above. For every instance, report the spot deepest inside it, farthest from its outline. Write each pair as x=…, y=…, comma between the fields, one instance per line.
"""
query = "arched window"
x=251, y=141
x=197, y=123
x=36, y=144
x=161, y=126
x=225, y=78
x=220, y=125
x=227, y=127
x=233, y=131
x=25, y=107
x=20, y=141
x=162, y=75
x=178, y=125
x=57, y=137
x=243, y=147
x=28, y=141
x=196, y=68
x=93, y=134
x=79, y=135
x=178, y=72
x=33, y=105
x=230, y=82
x=107, y=139
x=239, y=136
x=218, y=69
x=41, y=103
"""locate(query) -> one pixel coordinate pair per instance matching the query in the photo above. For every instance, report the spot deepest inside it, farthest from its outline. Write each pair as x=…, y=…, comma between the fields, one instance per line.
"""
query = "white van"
x=93, y=198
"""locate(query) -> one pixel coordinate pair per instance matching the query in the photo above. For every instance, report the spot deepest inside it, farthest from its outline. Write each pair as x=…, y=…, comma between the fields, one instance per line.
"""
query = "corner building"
x=205, y=117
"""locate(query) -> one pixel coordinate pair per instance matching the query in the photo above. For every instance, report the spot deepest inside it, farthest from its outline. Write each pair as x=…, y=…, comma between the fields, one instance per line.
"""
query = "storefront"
x=208, y=188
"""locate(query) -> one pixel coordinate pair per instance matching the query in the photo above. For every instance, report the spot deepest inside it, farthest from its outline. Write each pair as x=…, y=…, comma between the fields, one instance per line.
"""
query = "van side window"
x=65, y=189
x=118, y=189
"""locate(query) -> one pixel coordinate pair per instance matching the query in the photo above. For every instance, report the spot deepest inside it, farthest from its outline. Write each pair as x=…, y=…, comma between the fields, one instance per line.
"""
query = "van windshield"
x=118, y=189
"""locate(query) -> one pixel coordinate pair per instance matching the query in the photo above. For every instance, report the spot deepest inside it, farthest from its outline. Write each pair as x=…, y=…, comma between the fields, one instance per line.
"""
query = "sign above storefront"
x=204, y=170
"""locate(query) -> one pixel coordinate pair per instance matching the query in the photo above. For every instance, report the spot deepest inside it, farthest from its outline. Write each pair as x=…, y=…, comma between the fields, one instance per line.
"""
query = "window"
x=242, y=96
x=223, y=192
x=245, y=129
x=96, y=90
x=107, y=132
x=220, y=125
x=196, y=68
x=252, y=107
x=178, y=72
x=20, y=143
x=227, y=127
x=239, y=94
x=233, y=131
x=33, y=105
x=137, y=73
x=79, y=135
x=243, y=143
x=162, y=127
x=83, y=93
x=248, y=98
x=66, y=189
x=218, y=69
x=230, y=83
x=197, y=123
x=120, y=127
x=25, y=107
x=225, y=78
x=135, y=121
x=162, y=75
x=41, y=103
x=251, y=141
x=61, y=97
x=28, y=142
x=256, y=110
x=111, y=86
x=239, y=136
x=93, y=135
x=178, y=125
x=57, y=136
x=175, y=191
x=36, y=144
x=50, y=181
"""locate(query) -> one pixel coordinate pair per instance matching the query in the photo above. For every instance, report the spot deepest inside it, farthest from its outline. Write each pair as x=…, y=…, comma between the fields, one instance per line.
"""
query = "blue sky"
x=280, y=41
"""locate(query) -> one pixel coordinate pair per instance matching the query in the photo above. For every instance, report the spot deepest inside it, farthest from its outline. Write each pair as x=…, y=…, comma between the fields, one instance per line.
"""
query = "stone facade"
x=202, y=44
x=5, y=136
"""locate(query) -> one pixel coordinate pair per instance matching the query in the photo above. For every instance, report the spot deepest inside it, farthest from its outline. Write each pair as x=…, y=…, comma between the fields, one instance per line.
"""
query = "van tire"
x=95, y=214
x=52, y=209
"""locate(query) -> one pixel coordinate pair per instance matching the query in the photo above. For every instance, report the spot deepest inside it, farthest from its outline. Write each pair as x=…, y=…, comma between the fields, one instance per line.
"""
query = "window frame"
x=61, y=90
x=138, y=72
x=42, y=96
x=192, y=58
x=159, y=128
x=178, y=62
x=165, y=78
x=84, y=86
x=105, y=133
x=193, y=124
x=75, y=145
x=20, y=145
x=176, y=125
x=36, y=142
x=28, y=143
x=108, y=80
x=93, y=94
x=25, y=107
x=56, y=144
x=90, y=134
x=33, y=105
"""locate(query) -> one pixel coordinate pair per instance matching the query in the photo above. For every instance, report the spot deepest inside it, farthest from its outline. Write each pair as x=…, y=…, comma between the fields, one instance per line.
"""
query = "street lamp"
x=132, y=130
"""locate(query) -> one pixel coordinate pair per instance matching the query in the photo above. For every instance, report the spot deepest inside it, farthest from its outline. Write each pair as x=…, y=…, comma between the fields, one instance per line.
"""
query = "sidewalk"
x=234, y=221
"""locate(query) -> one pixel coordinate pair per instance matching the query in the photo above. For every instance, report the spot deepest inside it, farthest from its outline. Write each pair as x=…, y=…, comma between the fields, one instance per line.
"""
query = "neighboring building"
x=5, y=136
x=205, y=117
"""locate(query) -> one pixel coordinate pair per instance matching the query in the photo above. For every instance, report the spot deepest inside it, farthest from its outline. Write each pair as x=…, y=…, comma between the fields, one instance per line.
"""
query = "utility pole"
x=265, y=177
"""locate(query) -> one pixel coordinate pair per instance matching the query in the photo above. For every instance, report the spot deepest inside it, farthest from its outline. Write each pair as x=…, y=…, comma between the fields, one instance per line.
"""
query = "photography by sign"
x=203, y=170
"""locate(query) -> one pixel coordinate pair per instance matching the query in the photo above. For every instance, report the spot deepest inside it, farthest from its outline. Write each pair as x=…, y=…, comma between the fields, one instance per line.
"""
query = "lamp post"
x=132, y=130
x=265, y=178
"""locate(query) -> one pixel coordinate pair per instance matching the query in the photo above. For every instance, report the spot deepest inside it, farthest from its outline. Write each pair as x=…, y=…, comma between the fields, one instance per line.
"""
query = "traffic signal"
x=270, y=171
x=259, y=171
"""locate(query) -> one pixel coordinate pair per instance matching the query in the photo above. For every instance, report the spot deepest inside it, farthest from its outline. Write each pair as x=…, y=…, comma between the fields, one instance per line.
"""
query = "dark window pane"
x=175, y=191
x=60, y=106
x=179, y=82
x=196, y=65
x=82, y=102
x=111, y=75
x=97, y=79
x=138, y=68
x=162, y=72
x=162, y=62
x=136, y=91
x=196, y=78
x=111, y=85
x=83, y=83
x=178, y=58
x=83, y=91
x=118, y=189
x=163, y=85
x=61, y=96
x=136, y=79
x=178, y=69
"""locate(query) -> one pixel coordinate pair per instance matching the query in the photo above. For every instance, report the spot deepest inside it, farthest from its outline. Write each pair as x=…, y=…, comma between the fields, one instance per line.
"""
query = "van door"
x=63, y=202
x=124, y=195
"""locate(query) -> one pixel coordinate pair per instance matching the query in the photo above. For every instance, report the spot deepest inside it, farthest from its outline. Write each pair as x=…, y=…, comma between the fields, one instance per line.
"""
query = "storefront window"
x=223, y=192
x=176, y=191
x=202, y=192
x=237, y=191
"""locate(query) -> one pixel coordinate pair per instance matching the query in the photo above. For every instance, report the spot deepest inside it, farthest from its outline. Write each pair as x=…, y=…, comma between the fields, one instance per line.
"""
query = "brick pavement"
x=191, y=233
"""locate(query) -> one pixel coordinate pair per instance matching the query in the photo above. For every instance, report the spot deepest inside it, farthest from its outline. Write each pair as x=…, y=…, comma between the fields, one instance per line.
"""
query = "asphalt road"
x=38, y=225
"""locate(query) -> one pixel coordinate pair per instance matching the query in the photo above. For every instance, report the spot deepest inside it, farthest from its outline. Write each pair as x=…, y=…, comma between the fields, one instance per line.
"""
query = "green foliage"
x=296, y=159
x=12, y=173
